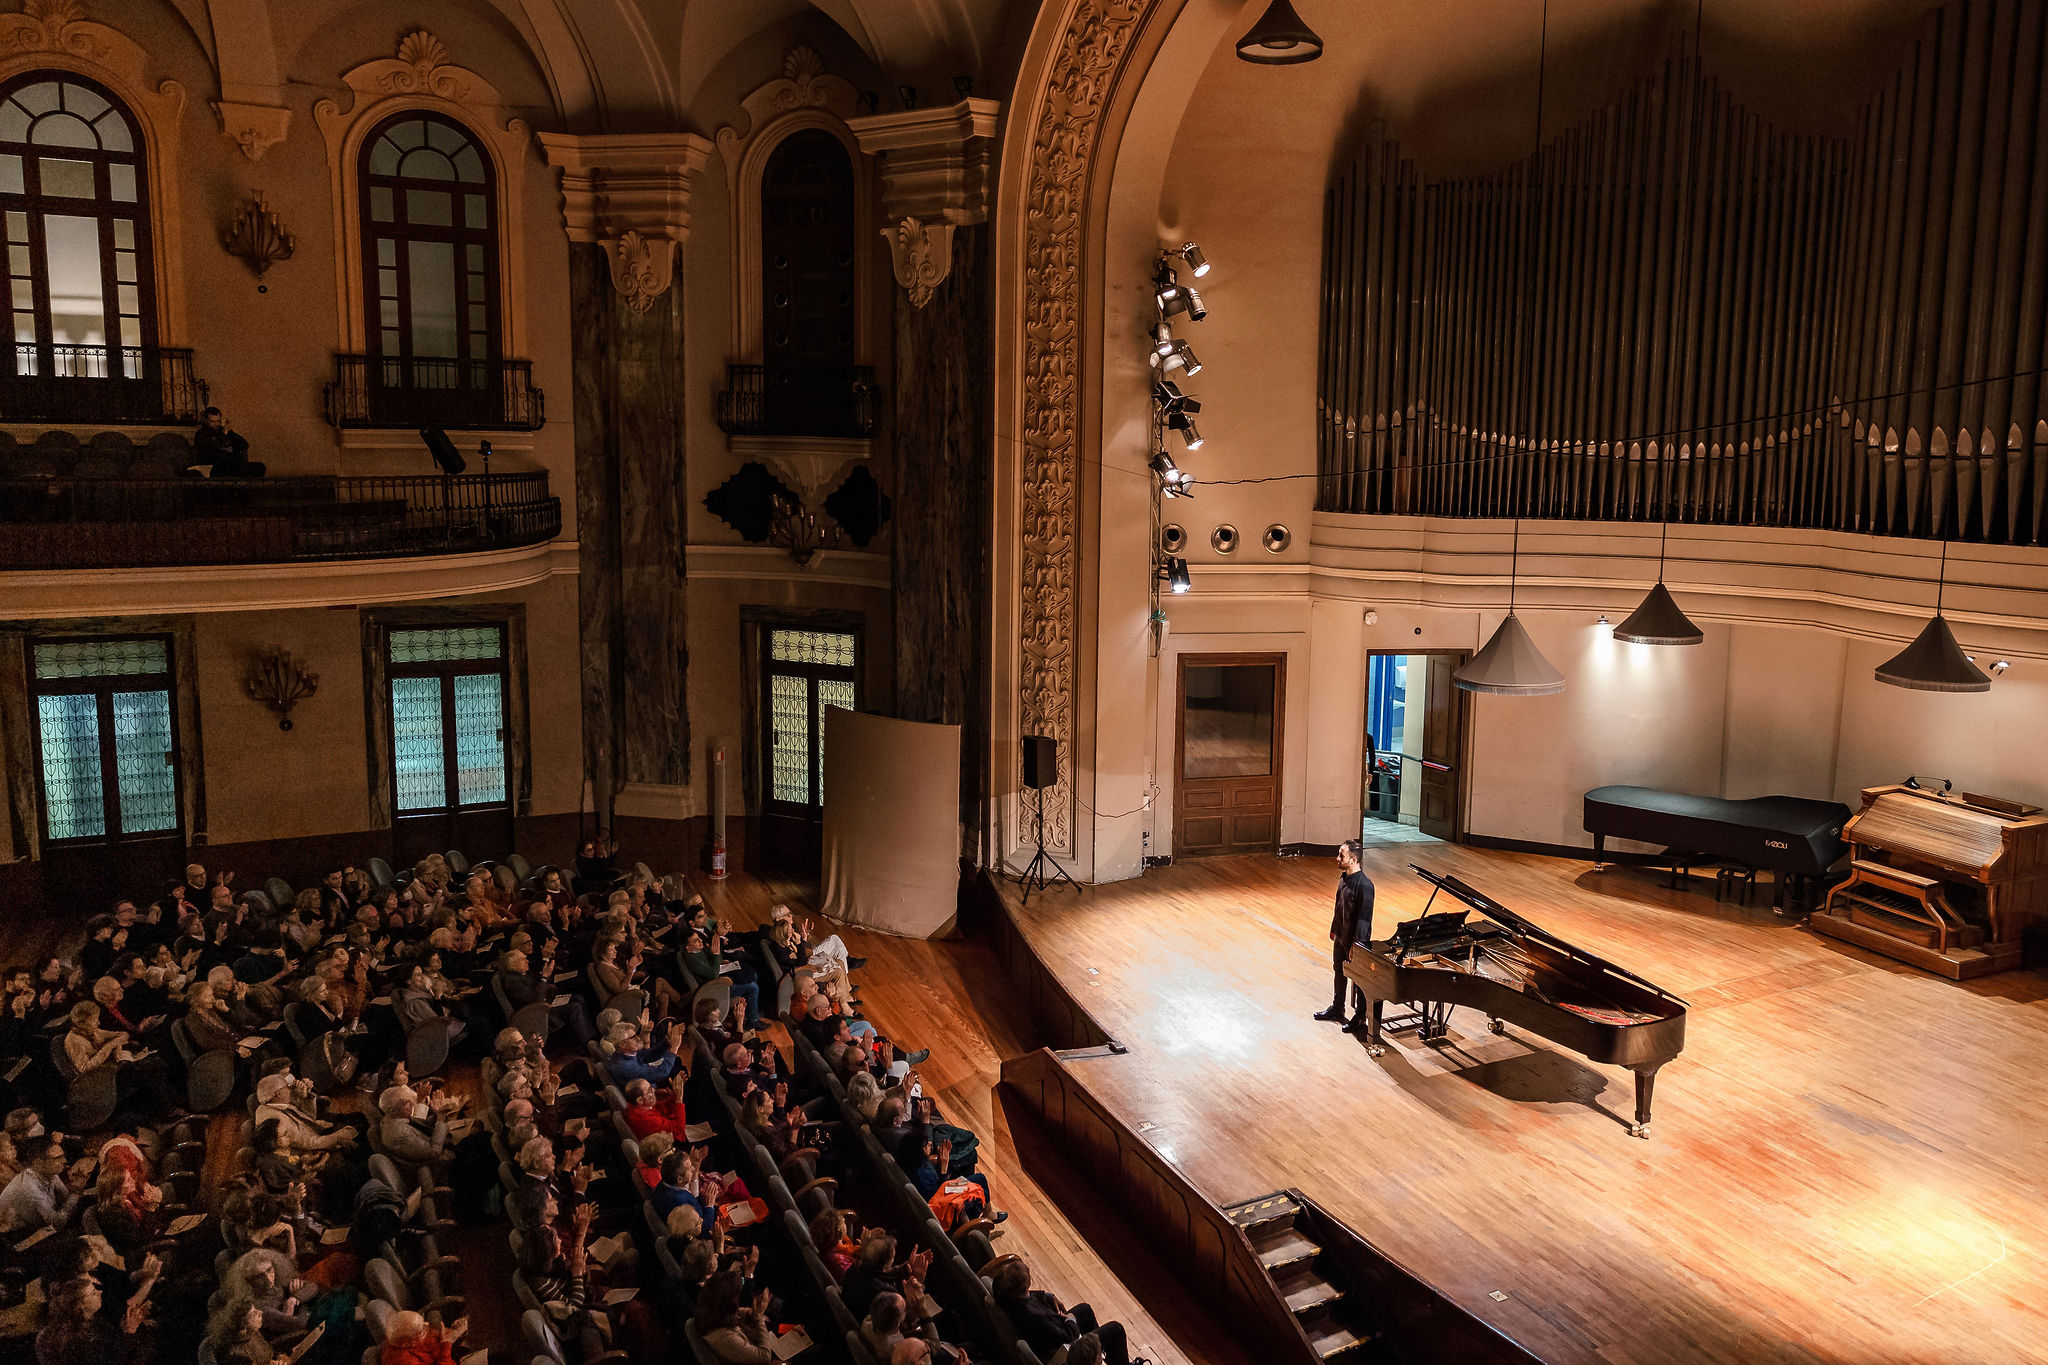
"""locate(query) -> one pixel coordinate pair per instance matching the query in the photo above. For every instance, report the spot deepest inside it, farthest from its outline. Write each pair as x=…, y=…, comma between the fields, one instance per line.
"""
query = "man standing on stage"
x=1352, y=922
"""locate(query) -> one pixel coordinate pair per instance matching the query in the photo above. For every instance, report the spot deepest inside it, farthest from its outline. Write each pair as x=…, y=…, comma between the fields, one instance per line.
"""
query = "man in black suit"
x=1351, y=923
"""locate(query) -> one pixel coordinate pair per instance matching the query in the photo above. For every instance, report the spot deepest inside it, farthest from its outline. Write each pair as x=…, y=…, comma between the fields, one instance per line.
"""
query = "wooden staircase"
x=1285, y=1235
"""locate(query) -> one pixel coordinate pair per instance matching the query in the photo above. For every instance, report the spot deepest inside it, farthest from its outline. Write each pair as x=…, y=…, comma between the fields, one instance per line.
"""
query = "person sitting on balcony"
x=227, y=450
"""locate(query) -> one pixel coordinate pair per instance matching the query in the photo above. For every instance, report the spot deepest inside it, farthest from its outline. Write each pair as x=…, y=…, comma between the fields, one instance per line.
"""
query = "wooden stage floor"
x=1849, y=1161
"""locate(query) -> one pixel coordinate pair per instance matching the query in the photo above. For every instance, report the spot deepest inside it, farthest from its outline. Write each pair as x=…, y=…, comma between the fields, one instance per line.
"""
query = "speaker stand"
x=1034, y=876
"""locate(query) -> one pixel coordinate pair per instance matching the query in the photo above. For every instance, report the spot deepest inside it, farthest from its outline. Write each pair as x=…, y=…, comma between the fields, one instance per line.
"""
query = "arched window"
x=807, y=242
x=430, y=242
x=77, y=230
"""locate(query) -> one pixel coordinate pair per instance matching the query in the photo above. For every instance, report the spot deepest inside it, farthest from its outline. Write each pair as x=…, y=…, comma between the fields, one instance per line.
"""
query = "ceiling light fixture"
x=1510, y=665
x=1658, y=620
x=1280, y=38
x=1934, y=662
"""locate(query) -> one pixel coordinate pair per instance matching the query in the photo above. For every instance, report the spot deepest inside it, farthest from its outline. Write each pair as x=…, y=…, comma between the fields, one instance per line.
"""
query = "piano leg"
x=1646, y=1081
x=1599, y=853
x=1373, y=1046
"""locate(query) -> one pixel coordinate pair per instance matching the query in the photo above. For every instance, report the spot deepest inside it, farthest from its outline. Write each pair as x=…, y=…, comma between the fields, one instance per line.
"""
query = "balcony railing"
x=100, y=385
x=802, y=400
x=74, y=523
x=462, y=395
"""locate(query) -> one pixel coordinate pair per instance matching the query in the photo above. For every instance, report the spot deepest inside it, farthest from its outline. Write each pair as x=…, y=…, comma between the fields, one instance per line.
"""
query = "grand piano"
x=1795, y=839
x=1517, y=974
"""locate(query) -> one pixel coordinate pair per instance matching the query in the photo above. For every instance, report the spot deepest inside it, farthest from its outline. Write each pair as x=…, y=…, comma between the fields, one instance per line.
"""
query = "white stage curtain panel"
x=892, y=823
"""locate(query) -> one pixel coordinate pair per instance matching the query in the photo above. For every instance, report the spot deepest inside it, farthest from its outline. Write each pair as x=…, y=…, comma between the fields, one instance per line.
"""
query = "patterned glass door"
x=107, y=765
x=808, y=672
x=449, y=784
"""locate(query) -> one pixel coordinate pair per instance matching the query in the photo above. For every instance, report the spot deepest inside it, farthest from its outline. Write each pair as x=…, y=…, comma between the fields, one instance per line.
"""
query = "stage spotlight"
x=1177, y=355
x=1174, y=481
x=1174, y=570
x=1170, y=399
x=1174, y=297
x=1185, y=425
x=1198, y=263
x=1162, y=344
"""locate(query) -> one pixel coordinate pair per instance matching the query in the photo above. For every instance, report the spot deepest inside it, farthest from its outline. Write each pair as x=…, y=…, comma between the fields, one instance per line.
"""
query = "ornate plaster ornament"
x=1064, y=128
x=630, y=194
x=923, y=256
x=255, y=128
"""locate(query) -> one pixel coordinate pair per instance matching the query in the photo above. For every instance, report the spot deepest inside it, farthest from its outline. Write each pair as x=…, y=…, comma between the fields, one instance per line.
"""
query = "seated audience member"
x=596, y=867
x=410, y=1340
x=828, y=953
x=1044, y=1325
x=883, y=1326
x=631, y=1061
x=227, y=450
x=707, y=960
x=407, y=1137
x=78, y=1334
x=417, y=1007
x=43, y=1195
x=735, y=1328
x=299, y=1130
x=875, y=1272
x=139, y=1076
x=523, y=987
x=651, y=1111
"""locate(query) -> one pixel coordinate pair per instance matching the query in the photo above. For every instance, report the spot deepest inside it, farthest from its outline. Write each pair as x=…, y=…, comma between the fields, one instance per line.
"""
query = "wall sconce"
x=255, y=235
x=793, y=526
x=280, y=682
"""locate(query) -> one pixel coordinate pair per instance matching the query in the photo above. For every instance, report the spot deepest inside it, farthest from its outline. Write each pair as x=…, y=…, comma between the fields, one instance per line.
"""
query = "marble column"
x=626, y=211
x=935, y=186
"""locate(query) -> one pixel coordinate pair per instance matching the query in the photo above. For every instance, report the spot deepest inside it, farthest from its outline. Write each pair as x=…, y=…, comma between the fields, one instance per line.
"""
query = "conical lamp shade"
x=1280, y=38
x=1510, y=666
x=1934, y=662
x=1658, y=621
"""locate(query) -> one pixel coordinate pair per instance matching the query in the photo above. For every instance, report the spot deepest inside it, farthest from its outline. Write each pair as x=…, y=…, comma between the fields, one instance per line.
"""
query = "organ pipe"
x=1674, y=311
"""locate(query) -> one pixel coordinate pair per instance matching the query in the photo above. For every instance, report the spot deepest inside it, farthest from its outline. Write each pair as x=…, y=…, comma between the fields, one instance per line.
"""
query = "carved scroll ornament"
x=923, y=256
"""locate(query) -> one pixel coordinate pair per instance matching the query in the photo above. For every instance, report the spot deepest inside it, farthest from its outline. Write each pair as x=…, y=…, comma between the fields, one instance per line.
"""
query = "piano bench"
x=1733, y=880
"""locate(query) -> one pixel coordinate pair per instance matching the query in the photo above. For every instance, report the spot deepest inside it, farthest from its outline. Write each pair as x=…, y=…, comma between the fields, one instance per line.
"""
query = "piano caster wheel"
x=1375, y=1049
x=1640, y=1130
x=1496, y=1026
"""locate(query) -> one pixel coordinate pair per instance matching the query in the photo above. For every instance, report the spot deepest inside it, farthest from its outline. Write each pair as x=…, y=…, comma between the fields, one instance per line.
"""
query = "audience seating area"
x=250, y=1123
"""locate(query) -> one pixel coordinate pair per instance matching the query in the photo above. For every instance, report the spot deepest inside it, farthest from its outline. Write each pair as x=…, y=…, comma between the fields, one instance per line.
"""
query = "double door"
x=1231, y=708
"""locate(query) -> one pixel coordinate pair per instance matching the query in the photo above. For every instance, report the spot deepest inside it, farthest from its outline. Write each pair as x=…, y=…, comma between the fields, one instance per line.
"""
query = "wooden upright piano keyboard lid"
x=2016, y=809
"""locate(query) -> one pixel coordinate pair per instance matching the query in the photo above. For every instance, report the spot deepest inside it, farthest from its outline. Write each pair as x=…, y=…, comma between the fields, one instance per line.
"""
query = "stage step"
x=1282, y=1247
x=1304, y=1291
x=1271, y=1209
x=1332, y=1339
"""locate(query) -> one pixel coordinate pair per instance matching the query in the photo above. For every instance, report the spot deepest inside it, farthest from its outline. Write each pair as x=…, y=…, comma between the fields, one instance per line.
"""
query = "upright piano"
x=1795, y=839
x=1518, y=974
x=1948, y=883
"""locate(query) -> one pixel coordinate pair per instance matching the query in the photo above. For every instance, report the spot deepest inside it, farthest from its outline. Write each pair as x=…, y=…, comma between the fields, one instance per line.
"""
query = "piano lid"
x=1948, y=834
x=1515, y=924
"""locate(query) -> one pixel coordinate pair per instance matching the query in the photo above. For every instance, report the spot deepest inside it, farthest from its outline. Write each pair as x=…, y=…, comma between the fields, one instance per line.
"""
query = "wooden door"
x=1227, y=754
x=1443, y=747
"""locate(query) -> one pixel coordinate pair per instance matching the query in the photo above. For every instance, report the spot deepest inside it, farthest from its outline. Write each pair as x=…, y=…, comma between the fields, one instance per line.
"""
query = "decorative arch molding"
x=421, y=77
x=805, y=96
x=55, y=35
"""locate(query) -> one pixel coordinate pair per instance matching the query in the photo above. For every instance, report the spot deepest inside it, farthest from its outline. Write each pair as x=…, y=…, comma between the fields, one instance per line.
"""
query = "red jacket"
x=426, y=1349
x=665, y=1115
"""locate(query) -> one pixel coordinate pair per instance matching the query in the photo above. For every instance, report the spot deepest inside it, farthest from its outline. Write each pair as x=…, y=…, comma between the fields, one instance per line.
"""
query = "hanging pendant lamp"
x=1280, y=38
x=1510, y=665
x=1658, y=621
x=1934, y=662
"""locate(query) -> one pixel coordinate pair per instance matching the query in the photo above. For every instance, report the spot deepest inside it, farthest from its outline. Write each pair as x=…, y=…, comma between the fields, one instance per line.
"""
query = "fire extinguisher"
x=718, y=859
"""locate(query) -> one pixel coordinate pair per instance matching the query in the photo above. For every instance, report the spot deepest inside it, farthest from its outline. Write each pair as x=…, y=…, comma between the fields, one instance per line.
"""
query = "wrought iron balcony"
x=800, y=400
x=100, y=385
x=69, y=522
x=459, y=395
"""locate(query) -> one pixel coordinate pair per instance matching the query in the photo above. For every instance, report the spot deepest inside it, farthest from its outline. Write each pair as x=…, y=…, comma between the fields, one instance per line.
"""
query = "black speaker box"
x=1041, y=761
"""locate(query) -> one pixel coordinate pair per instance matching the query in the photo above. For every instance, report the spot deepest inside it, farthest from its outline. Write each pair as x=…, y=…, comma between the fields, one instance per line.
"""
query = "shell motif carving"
x=642, y=268
x=424, y=68
x=1063, y=138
